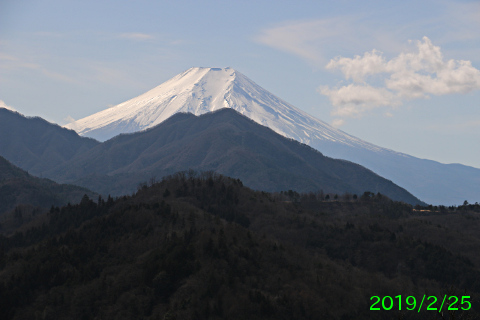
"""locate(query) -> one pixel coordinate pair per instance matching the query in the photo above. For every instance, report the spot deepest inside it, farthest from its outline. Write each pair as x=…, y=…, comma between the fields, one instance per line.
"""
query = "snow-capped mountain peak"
x=202, y=90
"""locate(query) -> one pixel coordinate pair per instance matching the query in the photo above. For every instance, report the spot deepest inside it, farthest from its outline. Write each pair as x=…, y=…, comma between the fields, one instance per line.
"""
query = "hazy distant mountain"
x=201, y=90
x=18, y=187
x=225, y=142
x=37, y=145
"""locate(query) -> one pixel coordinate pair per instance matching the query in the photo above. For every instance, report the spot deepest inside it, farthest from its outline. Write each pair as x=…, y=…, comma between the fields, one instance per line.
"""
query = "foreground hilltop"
x=203, y=246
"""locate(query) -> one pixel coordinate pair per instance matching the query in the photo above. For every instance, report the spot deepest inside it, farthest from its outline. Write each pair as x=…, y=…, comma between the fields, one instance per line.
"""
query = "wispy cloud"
x=304, y=38
x=315, y=40
x=9, y=62
x=68, y=119
x=338, y=123
x=7, y=57
x=410, y=75
x=453, y=24
x=136, y=36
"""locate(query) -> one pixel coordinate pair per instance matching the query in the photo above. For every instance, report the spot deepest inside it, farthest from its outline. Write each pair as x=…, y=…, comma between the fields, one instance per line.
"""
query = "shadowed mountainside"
x=37, y=145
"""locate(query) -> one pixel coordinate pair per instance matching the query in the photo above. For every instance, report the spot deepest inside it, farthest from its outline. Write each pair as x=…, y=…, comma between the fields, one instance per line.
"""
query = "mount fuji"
x=203, y=90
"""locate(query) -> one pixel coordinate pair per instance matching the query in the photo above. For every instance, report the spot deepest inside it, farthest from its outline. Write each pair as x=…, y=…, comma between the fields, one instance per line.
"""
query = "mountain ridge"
x=36, y=145
x=226, y=142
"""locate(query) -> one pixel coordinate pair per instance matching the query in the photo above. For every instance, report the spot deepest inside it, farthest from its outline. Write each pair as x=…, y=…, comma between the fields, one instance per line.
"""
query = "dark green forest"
x=203, y=246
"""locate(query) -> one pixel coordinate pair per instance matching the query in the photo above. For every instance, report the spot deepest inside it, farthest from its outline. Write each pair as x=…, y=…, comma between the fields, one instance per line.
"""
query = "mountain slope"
x=37, y=145
x=226, y=142
x=201, y=90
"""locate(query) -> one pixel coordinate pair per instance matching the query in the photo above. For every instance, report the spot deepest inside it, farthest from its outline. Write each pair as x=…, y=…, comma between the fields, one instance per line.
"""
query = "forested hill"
x=203, y=246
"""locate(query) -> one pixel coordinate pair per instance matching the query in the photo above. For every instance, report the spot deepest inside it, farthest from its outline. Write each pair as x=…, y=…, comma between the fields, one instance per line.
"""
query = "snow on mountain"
x=202, y=90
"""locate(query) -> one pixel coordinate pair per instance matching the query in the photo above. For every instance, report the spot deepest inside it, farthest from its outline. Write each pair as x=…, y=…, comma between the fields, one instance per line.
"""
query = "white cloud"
x=410, y=75
x=353, y=100
x=4, y=105
x=359, y=67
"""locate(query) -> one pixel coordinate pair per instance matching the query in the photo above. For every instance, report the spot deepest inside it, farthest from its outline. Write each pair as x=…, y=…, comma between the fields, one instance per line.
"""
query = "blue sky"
x=400, y=74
